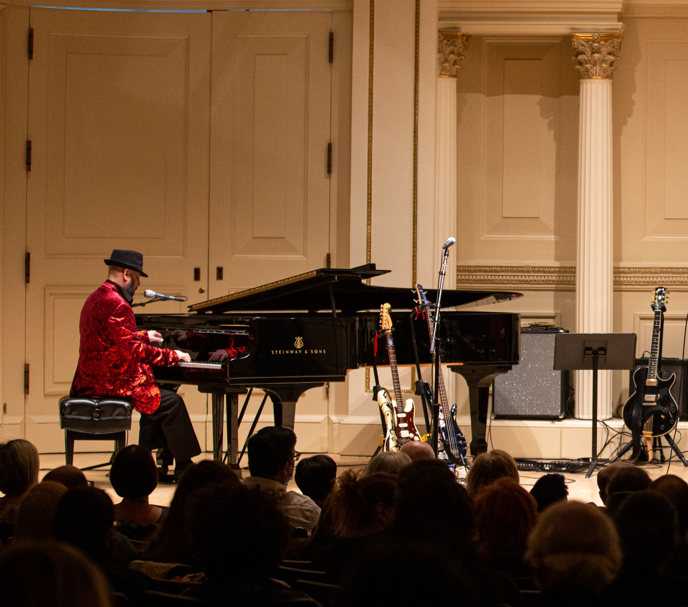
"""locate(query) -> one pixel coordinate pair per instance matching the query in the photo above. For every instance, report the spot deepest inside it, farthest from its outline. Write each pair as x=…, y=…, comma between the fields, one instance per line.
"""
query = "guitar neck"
x=395, y=373
x=444, y=400
x=656, y=341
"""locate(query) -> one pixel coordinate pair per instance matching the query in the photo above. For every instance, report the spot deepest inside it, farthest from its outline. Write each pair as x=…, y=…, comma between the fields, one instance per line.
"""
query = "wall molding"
x=563, y=278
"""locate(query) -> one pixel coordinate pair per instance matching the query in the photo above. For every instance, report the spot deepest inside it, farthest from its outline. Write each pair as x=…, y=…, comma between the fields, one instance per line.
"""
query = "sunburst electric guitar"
x=453, y=442
x=399, y=418
x=651, y=410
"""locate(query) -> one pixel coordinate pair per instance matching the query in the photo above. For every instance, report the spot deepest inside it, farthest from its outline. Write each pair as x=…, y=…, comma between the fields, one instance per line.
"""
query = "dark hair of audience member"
x=549, y=489
x=505, y=514
x=675, y=489
x=315, y=477
x=387, y=461
x=574, y=545
x=69, y=476
x=647, y=524
x=488, y=467
x=34, y=574
x=19, y=464
x=605, y=475
x=171, y=544
x=37, y=511
x=134, y=473
x=269, y=449
x=84, y=517
x=362, y=505
x=424, y=490
x=236, y=533
x=623, y=484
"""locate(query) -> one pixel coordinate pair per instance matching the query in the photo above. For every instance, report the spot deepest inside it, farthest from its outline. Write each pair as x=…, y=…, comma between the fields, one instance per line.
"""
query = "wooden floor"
x=580, y=488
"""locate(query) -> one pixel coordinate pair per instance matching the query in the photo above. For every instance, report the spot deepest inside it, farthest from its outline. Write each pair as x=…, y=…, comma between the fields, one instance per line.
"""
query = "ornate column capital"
x=596, y=54
x=450, y=45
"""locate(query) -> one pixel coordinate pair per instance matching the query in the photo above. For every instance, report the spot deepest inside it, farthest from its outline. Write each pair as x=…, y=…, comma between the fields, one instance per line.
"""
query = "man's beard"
x=130, y=288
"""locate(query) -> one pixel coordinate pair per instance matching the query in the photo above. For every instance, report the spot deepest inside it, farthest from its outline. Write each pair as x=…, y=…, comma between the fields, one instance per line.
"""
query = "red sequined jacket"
x=114, y=358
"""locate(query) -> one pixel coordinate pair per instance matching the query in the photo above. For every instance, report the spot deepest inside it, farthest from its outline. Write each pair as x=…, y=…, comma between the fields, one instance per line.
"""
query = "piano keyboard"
x=202, y=365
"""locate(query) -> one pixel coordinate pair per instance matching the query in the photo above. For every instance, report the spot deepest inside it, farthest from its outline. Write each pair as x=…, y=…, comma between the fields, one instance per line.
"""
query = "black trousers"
x=170, y=426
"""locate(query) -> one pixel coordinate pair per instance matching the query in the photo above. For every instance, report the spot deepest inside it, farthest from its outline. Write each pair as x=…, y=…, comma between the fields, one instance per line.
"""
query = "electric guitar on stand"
x=452, y=441
x=404, y=426
x=651, y=411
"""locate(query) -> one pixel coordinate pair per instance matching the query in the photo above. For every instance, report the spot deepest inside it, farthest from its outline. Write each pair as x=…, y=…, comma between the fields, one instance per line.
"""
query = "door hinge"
x=27, y=268
x=331, y=47
x=30, y=46
x=328, y=261
x=27, y=377
x=329, y=158
x=28, y=155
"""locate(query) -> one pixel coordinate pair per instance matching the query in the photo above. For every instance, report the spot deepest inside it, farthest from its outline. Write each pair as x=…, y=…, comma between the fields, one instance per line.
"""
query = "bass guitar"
x=452, y=441
x=651, y=411
x=401, y=426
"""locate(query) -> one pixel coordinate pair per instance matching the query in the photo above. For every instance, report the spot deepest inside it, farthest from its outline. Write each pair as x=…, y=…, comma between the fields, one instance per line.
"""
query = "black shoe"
x=164, y=475
x=180, y=468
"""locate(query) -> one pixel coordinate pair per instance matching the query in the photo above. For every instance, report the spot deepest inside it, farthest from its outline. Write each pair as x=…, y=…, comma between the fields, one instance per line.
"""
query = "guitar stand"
x=656, y=444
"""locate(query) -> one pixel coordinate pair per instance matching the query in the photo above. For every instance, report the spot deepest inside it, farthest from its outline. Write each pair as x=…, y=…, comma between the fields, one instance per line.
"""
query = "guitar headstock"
x=385, y=318
x=659, y=299
x=422, y=300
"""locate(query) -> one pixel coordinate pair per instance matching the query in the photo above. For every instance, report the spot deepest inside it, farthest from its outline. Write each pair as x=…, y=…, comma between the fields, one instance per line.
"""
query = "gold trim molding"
x=563, y=278
x=596, y=55
x=450, y=46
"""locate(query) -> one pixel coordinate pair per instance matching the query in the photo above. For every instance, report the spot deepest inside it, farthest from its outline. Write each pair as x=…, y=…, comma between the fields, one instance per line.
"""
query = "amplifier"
x=532, y=389
x=665, y=368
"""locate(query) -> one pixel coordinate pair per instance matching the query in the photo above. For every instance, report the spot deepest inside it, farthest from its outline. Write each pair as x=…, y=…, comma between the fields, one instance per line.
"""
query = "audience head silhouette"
x=488, y=467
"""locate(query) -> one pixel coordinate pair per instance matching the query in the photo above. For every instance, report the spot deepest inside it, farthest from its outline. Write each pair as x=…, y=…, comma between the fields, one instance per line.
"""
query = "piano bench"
x=85, y=418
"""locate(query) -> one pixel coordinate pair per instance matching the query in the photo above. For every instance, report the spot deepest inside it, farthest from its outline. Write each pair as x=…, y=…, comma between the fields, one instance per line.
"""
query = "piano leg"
x=479, y=379
x=218, y=404
x=284, y=402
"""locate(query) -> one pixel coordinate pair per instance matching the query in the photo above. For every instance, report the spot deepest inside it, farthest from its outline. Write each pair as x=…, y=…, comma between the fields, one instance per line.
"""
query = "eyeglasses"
x=297, y=455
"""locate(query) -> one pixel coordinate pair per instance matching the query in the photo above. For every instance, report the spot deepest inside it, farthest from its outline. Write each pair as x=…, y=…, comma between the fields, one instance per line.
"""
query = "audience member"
x=134, y=476
x=37, y=510
x=271, y=462
x=647, y=524
x=37, y=574
x=315, y=477
x=487, y=468
x=549, y=489
x=417, y=450
x=574, y=553
x=239, y=537
x=172, y=542
x=359, y=507
x=387, y=461
x=623, y=483
x=605, y=475
x=69, y=476
x=84, y=518
x=505, y=514
x=18, y=473
x=675, y=489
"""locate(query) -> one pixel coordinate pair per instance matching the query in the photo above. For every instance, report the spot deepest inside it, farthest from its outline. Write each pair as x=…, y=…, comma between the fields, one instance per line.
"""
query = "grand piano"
x=301, y=332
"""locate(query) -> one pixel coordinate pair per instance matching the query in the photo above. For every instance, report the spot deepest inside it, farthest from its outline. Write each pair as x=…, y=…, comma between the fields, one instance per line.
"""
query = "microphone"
x=449, y=243
x=153, y=294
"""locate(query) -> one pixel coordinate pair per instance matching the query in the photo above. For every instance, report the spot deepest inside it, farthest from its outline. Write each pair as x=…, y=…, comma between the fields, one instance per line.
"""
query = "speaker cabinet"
x=665, y=368
x=532, y=389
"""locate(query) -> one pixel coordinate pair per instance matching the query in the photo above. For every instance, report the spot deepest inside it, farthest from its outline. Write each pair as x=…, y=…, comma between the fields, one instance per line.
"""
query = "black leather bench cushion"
x=95, y=415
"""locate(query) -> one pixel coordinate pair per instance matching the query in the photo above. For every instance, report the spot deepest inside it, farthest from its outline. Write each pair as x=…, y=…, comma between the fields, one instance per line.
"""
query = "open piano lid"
x=341, y=289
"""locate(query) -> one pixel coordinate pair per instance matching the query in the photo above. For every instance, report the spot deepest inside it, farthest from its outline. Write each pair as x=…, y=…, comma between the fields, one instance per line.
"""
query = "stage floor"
x=580, y=488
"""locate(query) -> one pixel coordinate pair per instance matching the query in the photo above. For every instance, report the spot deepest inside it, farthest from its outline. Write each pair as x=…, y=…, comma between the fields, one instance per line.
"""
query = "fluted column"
x=596, y=55
x=451, y=45
x=450, y=49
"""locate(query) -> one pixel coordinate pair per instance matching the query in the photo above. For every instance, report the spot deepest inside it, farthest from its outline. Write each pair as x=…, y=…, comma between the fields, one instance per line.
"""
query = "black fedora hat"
x=132, y=260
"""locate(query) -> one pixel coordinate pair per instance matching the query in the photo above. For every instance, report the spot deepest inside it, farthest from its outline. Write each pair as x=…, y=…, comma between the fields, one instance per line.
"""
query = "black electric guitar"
x=403, y=427
x=453, y=442
x=651, y=410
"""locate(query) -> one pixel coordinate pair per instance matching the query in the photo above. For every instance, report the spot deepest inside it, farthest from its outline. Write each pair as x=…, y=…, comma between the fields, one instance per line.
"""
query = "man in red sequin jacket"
x=115, y=360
